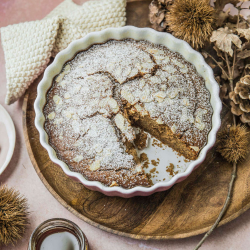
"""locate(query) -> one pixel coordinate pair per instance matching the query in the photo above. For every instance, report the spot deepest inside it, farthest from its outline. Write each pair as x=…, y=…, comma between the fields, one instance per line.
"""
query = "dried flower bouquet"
x=224, y=41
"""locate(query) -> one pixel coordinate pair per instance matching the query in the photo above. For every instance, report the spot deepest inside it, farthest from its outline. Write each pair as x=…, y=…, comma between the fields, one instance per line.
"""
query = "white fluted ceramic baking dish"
x=152, y=36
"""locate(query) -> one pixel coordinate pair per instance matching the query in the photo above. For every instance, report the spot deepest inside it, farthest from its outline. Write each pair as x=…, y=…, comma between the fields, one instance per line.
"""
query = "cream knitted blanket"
x=28, y=46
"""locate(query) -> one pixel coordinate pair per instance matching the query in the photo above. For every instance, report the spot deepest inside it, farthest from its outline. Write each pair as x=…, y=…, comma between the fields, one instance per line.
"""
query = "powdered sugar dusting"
x=84, y=109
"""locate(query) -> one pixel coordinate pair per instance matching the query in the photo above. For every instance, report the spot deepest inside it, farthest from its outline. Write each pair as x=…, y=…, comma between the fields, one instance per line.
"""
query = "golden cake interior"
x=160, y=131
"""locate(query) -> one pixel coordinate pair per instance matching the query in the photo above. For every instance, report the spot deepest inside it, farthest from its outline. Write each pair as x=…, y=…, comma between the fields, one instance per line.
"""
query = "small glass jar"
x=53, y=226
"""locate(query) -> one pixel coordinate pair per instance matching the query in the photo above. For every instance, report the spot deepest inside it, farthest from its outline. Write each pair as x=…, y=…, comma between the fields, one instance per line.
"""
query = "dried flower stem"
x=238, y=16
x=230, y=76
x=228, y=67
x=243, y=73
x=218, y=64
x=231, y=72
x=225, y=207
x=234, y=60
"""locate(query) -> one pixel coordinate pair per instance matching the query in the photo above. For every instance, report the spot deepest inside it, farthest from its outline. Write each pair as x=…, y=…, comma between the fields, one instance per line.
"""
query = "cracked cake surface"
x=107, y=90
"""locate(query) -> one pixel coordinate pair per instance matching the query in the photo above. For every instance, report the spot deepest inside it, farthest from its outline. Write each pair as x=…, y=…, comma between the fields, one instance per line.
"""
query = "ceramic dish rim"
x=153, y=36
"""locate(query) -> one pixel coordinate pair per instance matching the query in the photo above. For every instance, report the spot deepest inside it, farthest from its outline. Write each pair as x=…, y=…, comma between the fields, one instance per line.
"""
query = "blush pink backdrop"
x=21, y=175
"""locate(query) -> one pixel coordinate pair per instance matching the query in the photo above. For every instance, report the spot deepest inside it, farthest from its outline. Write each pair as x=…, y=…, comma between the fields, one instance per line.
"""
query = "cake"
x=105, y=92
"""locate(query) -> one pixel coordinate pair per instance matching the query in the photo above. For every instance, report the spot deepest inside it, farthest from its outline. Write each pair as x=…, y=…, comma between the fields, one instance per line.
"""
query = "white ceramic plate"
x=150, y=35
x=9, y=126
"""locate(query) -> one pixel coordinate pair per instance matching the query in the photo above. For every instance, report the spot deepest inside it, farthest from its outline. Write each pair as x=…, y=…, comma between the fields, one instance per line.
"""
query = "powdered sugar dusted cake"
x=107, y=90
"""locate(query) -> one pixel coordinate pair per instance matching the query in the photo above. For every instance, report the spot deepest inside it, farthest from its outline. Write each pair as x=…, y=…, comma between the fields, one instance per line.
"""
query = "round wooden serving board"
x=188, y=208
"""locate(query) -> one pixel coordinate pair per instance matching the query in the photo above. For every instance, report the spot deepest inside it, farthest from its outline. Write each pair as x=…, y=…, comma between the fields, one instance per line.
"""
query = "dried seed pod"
x=13, y=215
x=240, y=104
x=191, y=20
x=232, y=143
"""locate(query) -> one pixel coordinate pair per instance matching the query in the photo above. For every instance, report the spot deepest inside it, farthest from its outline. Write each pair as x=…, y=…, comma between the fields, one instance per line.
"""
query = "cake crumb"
x=157, y=143
x=170, y=169
x=144, y=160
x=141, y=140
x=152, y=170
x=113, y=184
x=149, y=178
x=154, y=162
x=143, y=157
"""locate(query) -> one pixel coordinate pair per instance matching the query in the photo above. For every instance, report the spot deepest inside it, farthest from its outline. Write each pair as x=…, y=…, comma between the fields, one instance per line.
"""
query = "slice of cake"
x=104, y=92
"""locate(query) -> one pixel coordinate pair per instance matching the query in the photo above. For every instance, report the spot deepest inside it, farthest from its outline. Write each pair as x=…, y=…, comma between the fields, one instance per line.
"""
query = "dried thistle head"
x=191, y=20
x=13, y=215
x=232, y=143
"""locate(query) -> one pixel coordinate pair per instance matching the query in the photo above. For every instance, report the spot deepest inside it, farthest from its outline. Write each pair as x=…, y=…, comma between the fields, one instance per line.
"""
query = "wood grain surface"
x=188, y=208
